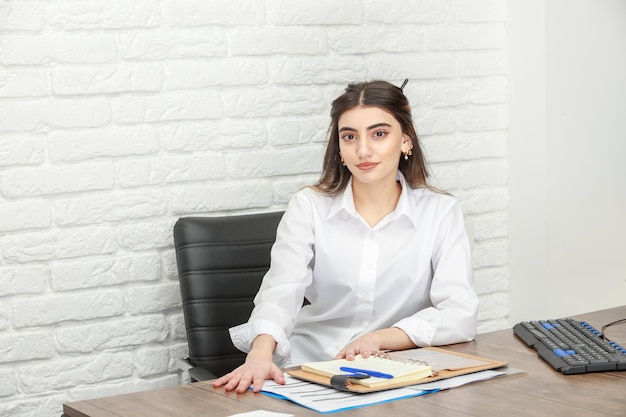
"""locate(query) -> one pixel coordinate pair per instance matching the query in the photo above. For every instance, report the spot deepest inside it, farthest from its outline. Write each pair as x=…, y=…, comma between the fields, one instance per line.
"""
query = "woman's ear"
x=407, y=145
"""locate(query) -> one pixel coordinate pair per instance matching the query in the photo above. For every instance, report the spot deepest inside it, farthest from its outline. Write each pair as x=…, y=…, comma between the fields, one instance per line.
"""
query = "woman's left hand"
x=364, y=345
x=392, y=338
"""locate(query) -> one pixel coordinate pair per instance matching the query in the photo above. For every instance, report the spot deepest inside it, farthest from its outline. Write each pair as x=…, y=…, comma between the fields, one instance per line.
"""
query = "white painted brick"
x=483, y=172
x=371, y=39
x=473, y=37
x=493, y=306
x=110, y=207
x=406, y=11
x=430, y=121
x=57, y=179
x=411, y=65
x=30, y=214
x=168, y=263
x=309, y=70
x=147, y=235
x=215, y=12
x=166, y=107
x=220, y=197
x=122, y=387
x=290, y=161
x=93, y=143
x=177, y=329
x=277, y=40
x=26, y=346
x=445, y=176
x=268, y=102
x=24, y=82
x=107, y=14
x=490, y=225
x=479, y=64
x=56, y=308
x=494, y=324
x=113, y=334
x=105, y=272
x=480, y=10
x=483, y=200
x=213, y=135
x=21, y=150
x=314, y=12
x=22, y=15
x=173, y=44
x=133, y=173
x=154, y=298
x=216, y=72
x=286, y=188
x=57, y=244
x=44, y=114
x=23, y=280
x=67, y=373
x=490, y=253
x=297, y=130
x=460, y=147
x=38, y=406
x=5, y=315
x=107, y=79
x=44, y=49
x=154, y=361
x=492, y=280
x=8, y=382
x=482, y=118
x=460, y=92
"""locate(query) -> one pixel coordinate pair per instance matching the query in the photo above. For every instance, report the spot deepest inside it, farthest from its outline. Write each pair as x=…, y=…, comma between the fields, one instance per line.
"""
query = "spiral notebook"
x=410, y=367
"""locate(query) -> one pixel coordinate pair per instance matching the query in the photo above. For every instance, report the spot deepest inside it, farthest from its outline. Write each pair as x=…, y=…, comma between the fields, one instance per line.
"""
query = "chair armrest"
x=200, y=374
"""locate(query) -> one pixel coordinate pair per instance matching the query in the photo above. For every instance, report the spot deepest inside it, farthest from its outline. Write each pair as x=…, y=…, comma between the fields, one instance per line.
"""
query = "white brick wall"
x=117, y=117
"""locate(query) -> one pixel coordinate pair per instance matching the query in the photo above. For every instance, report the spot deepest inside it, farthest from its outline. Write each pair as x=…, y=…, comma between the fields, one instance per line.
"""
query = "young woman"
x=382, y=258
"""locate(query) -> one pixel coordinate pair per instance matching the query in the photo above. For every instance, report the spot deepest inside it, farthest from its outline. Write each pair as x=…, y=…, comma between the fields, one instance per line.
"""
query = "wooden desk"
x=539, y=391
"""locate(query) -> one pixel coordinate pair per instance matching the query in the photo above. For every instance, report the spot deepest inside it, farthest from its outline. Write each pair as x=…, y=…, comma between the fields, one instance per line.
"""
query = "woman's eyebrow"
x=374, y=126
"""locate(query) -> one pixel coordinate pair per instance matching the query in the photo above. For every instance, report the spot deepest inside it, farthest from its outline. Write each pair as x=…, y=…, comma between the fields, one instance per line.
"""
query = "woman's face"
x=371, y=142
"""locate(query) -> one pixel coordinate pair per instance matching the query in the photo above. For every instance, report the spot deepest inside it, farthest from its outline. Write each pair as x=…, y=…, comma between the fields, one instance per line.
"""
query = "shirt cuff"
x=244, y=334
x=421, y=332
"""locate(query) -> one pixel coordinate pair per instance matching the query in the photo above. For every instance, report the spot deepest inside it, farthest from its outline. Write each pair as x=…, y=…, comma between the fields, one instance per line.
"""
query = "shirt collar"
x=345, y=201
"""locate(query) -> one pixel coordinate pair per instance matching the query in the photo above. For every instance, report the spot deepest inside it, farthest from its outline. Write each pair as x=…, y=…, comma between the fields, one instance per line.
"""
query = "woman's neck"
x=374, y=201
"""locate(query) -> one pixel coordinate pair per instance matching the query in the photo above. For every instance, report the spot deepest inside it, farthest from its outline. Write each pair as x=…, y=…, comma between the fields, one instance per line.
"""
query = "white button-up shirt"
x=412, y=270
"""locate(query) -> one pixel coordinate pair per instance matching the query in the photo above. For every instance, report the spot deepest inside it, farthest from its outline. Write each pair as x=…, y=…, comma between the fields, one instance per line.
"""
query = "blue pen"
x=366, y=372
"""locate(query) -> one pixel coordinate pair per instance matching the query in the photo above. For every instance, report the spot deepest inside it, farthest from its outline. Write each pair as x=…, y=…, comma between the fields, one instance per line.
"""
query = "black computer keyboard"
x=571, y=346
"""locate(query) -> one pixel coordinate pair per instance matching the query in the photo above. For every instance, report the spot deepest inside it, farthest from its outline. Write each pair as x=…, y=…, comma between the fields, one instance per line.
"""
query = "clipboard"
x=445, y=364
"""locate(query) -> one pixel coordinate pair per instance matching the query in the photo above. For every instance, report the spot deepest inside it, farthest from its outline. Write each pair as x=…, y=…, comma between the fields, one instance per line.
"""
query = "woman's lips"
x=366, y=166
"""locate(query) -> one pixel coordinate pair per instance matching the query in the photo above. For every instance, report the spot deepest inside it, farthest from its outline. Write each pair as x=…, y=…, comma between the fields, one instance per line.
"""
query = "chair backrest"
x=221, y=262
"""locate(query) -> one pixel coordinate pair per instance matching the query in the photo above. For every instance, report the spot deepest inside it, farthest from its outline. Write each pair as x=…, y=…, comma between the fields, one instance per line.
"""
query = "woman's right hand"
x=257, y=368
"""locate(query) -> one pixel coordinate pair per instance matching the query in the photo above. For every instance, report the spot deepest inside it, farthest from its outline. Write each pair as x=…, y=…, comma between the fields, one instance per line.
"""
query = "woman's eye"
x=380, y=133
x=348, y=136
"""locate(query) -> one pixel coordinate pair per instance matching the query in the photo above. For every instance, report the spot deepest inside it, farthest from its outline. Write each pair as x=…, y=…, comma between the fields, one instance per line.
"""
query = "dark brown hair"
x=335, y=175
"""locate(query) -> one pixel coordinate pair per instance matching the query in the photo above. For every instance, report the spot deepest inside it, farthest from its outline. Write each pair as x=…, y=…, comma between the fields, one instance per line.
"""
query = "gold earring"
x=407, y=153
x=342, y=161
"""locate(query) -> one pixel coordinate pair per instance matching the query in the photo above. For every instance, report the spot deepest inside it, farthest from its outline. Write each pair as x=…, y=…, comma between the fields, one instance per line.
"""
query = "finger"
x=243, y=386
x=278, y=376
x=350, y=354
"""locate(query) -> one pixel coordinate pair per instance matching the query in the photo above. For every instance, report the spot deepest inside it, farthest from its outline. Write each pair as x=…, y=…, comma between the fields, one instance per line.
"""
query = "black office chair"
x=221, y=262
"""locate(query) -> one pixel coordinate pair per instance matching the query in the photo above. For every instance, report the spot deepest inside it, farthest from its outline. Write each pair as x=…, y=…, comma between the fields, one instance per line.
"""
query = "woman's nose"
x=364, y=149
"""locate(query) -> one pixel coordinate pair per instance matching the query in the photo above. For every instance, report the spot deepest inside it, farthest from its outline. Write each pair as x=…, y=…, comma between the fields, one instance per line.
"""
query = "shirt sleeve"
x=281, y=294
x=452, y=317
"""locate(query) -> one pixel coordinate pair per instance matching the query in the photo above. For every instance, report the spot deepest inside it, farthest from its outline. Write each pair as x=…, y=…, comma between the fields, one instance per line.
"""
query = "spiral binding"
x=384, y=355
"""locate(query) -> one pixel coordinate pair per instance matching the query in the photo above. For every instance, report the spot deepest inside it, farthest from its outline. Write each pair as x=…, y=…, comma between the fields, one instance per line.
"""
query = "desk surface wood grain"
x=537, y=391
